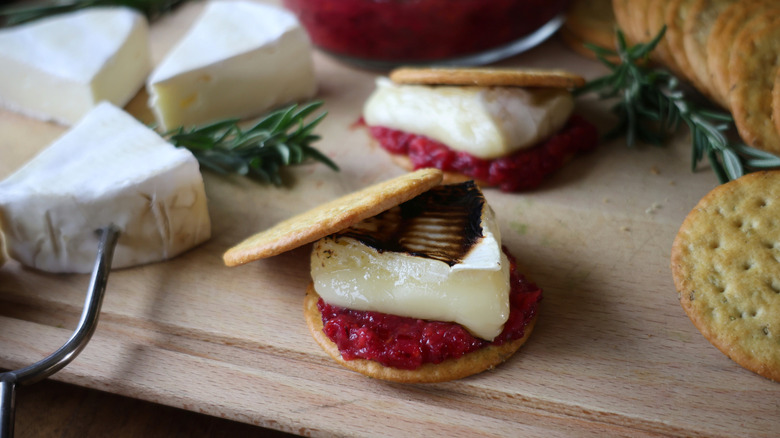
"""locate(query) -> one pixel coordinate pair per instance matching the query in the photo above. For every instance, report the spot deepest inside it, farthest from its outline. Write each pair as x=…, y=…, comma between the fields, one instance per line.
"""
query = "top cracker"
x=487, y=77
x=332, y=217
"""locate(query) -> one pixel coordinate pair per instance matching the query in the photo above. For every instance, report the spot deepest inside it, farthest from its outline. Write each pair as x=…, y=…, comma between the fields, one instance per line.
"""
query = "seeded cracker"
x=487, y=77
x=721, y=41
x=676, y=16
x=726, y=268
x=752, y=69
x=472, y=363
x=332, y=217
x=656, y=19
x=696, y=33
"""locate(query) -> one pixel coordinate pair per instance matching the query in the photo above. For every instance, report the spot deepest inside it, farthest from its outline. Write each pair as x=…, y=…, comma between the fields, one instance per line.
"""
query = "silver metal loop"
x=44, y=368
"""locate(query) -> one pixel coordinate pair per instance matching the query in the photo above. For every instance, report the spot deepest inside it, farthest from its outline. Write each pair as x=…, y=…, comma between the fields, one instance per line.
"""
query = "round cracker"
x=701, y=17
x=638, y=20
x=487, y=77
x=656, y=20
x=591, y=21
x=621, y=9
x=333, y=216
x=472, y=363
x=752, y=69
x=676, y=15
x=721, y=42
x=726, y=268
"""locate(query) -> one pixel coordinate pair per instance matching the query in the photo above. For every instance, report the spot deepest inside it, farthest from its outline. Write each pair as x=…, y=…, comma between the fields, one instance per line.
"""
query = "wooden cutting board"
x=613, y=353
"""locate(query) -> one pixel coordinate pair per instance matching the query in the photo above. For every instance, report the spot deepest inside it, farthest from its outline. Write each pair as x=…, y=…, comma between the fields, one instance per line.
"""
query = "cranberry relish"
x=408, y=343
x=403, y=30
x=523, y=170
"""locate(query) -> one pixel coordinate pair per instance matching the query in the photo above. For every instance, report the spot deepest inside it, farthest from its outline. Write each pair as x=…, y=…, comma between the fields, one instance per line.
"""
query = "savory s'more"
x=410, y=281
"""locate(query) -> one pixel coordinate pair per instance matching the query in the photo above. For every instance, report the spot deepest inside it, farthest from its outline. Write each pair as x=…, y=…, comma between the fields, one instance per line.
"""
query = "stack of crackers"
x=726, y=256
x=728, y=49
x=589, y=22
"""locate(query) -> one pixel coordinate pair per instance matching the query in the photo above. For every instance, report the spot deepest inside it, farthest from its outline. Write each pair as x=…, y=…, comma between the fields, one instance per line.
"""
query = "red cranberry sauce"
x=408, y=343
x=420, y=29
x=523, y=170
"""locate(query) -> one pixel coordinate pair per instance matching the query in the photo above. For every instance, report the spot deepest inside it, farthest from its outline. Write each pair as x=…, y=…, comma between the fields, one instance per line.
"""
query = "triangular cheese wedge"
x=239, y=59
x=59, y=68
x=108, y=169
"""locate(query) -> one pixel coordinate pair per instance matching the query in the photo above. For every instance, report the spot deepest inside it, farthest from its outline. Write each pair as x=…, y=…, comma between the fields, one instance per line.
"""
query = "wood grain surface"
x=52, y=409
x=613, y=353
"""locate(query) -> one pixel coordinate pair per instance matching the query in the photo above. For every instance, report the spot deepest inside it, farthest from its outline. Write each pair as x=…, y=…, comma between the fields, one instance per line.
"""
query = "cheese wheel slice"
x=239, y=59
x=61, y=67
x=108, y=169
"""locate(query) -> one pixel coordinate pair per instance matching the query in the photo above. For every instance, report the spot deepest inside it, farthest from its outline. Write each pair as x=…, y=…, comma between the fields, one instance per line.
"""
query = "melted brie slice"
x=109, y=168
x=442, y=262
x=486, y=122
x=61, y=67
x=239, y=59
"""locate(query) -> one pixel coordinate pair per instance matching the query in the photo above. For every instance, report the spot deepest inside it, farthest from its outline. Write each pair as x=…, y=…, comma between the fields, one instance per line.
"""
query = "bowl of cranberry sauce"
x=387, y=33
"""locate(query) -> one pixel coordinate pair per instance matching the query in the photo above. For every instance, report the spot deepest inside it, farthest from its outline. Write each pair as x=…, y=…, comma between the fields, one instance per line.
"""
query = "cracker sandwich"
x=500, y=127
x=410, y=282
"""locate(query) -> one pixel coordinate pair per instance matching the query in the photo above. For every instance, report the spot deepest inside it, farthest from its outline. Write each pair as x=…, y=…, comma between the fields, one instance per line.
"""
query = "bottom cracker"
x=472, y=363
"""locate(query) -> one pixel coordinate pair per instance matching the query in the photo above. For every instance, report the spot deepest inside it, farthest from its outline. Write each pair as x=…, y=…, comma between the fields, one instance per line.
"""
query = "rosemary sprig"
x=13, y=15
x=651, y=107
x=279, y=139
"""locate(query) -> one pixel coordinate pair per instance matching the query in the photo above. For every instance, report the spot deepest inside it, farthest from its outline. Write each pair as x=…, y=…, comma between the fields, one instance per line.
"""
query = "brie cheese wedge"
x=238, y=60
x=109, y=168
x=486, y=122
x=436, y=257
x=61, y=67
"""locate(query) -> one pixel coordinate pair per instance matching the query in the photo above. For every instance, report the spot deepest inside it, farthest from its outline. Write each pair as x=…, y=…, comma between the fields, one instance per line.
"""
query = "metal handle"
x=65, y=354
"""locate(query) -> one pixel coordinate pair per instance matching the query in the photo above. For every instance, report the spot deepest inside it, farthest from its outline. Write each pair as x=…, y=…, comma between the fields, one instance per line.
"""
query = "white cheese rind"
x=59, y=68
x=107, y=169
x=474, y=293
x=238, y=60
x=486, y=122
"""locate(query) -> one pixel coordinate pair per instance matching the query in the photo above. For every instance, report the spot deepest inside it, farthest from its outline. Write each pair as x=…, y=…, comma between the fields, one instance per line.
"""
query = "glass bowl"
x=387, y=33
